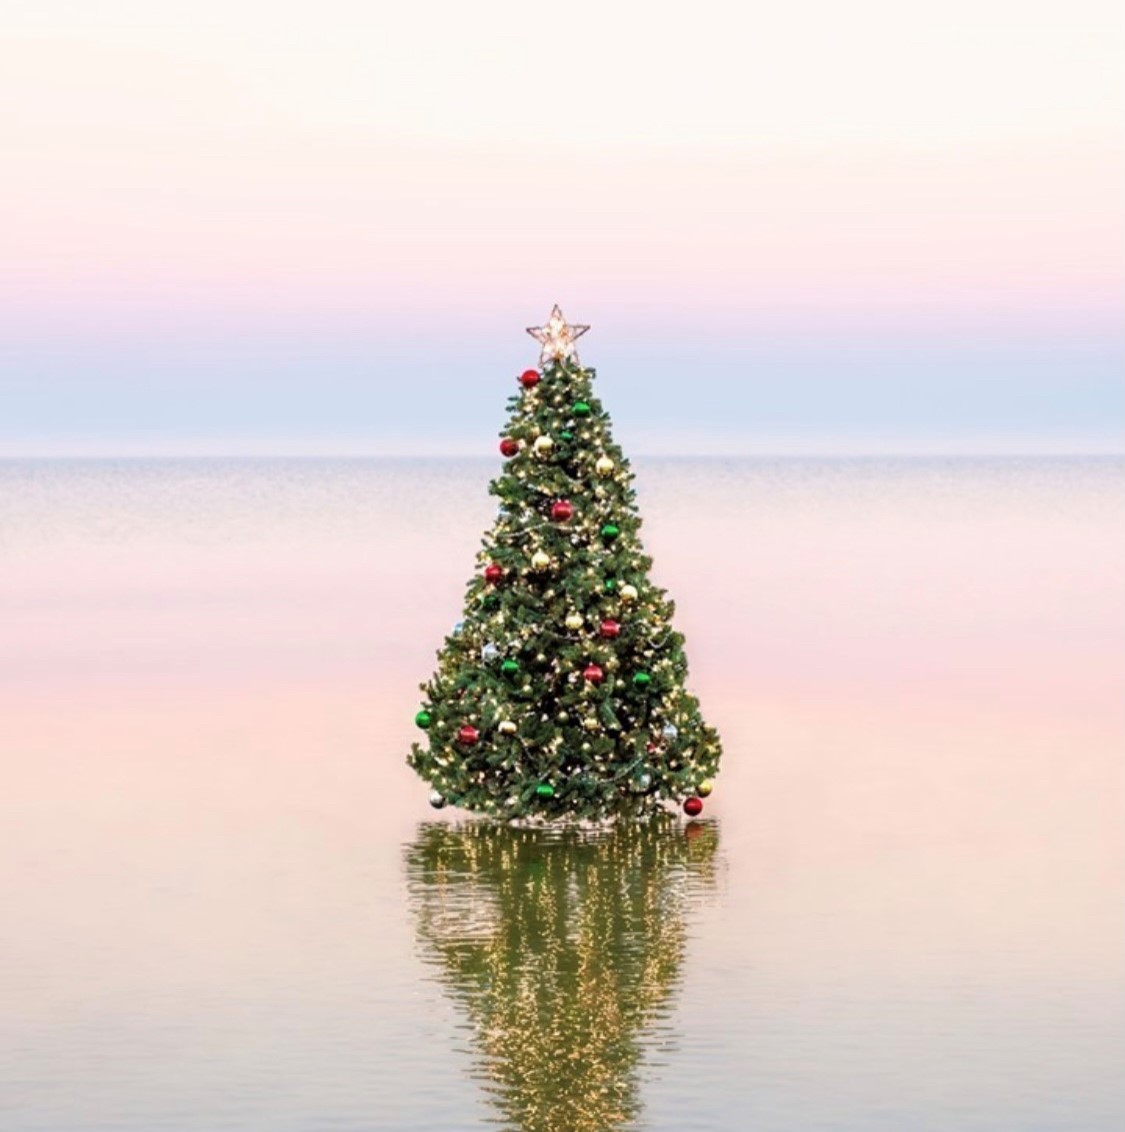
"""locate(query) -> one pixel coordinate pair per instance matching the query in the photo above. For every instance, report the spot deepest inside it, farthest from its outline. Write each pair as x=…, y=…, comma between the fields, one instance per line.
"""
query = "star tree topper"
x=557, y=338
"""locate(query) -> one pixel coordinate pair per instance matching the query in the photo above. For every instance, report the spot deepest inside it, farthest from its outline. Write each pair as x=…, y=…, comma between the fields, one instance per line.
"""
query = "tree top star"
x=557, y=338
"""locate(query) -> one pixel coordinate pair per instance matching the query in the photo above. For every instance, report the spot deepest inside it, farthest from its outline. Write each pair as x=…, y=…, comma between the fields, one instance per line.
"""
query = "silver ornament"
x=489, y=653
x=670, y=731
x=436, y=800
x=457, y=627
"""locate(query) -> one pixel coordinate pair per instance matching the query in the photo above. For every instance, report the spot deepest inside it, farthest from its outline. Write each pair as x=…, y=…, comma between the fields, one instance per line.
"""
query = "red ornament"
x=493, y=573
x=469, y=735
x=593, y=674
x=693, y=807
x=652, y=747
x=529, y=378
x=609, y=629
x=509, y=447
x=562, y=511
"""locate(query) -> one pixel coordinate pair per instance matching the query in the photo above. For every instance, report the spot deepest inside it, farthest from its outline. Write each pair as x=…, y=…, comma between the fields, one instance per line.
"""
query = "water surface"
x=226, y=904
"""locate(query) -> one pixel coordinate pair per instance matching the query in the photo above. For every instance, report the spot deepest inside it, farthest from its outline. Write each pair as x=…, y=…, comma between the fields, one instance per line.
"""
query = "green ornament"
x=566, y=434
x=581, y=409
x=510, y=667
x=610, y=585
x=423, y=719
x=490, y=601
x=641, y=679
x=545, y=790
x=610, y=531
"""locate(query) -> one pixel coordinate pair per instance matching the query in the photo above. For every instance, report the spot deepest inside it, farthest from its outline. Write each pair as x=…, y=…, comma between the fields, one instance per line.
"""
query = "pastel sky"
x=250, y=227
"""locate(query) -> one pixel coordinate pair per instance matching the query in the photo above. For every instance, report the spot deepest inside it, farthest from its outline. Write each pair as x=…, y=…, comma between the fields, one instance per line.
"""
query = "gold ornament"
x=506, y=727
x=540, y=560
x=573, y=621
x=591, y=723
x=543, y=445
x=628, y=592
x=603, y=466
x=705, y=787
x=557, y=337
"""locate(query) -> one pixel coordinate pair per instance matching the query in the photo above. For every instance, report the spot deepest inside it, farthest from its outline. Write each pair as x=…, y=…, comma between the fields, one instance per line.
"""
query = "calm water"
x=226, y=905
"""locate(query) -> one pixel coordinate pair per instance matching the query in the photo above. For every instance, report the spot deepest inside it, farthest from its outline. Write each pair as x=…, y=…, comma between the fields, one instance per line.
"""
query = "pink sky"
x=221, y=184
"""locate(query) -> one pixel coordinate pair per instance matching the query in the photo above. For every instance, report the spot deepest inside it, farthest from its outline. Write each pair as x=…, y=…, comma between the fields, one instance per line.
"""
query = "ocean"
x=228, y=906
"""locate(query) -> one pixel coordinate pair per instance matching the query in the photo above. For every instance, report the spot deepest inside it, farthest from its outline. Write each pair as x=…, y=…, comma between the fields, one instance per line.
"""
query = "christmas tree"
x=561, y=691
x=562, y=947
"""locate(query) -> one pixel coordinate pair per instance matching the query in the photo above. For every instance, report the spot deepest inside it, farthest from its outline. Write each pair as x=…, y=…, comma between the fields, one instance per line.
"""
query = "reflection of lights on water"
x=562, y=947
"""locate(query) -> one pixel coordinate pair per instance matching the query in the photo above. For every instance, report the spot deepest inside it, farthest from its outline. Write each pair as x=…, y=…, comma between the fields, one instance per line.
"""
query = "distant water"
x=226, y=905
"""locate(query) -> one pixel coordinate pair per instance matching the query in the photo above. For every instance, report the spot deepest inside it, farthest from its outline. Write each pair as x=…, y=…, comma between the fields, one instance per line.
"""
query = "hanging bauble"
x=467, y=735
x=609, y=629
x=693, y=807
x=641, y=679
x=510, y=667
x=489, y=600
x=670, y=731
x=593, y=674
x=603, y=466
x=566, y=435
x=610, y=585
x=457, y=627
x=545, y=790
x=493, y=573
x=573, y=621
x=628, y=592
x=529, y=378
x=591, y=723
x=423, y=719
x=543, y=445
x=643, y=780
x=540, y=560
x=509, y=447
x=610, y=531
x=581, y=409
x=506, y=727
x=489, y=652
x=705, y=787
x=562, y=511
x=436, y=800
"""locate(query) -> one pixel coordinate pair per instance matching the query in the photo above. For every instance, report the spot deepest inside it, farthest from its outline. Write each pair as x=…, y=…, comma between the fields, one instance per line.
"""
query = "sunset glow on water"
x=219, y=913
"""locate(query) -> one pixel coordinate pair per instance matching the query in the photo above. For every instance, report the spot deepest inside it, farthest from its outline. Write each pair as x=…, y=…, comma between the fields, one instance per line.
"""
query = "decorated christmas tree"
x=561, y=691
x=562, y=948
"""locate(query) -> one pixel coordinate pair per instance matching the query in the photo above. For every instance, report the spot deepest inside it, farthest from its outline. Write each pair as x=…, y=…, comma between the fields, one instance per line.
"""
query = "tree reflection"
x=562, y=946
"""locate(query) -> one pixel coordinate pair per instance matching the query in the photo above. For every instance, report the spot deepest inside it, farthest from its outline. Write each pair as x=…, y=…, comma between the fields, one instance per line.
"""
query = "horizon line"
x=822, y=454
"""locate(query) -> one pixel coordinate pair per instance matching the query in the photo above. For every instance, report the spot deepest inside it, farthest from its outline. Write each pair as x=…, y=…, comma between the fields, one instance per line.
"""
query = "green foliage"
x=602, y=747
